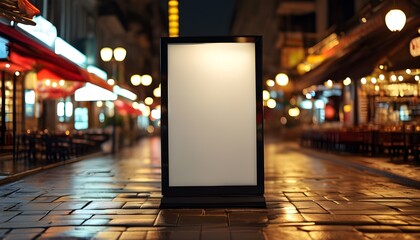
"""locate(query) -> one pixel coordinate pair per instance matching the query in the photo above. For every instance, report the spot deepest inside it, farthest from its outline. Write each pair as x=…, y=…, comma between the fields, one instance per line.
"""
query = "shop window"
x=101, y=117
x=81, y=118
x=29, y=103
x=404, y=113
x=65, y=110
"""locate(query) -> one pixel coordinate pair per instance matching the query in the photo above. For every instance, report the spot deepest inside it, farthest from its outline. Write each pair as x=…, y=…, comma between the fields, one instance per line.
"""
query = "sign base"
x=213, y=202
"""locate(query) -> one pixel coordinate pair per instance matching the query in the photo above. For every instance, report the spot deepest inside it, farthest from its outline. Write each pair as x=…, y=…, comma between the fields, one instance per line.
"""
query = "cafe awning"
x=359, y=58
x=23, y=47
x=124, y=108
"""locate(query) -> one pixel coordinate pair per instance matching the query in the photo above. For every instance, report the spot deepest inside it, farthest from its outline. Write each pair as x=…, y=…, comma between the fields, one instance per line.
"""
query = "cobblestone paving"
x=307, y=198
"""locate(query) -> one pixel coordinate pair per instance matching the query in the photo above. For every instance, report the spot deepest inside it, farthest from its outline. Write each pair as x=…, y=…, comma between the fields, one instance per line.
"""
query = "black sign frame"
x=214, y=196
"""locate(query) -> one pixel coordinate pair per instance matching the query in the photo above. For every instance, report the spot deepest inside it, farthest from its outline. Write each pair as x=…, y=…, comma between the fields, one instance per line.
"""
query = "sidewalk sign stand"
x=212, y=122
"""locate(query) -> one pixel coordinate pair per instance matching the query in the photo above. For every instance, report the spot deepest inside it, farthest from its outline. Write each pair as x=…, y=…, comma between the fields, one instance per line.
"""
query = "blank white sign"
x=212, y=114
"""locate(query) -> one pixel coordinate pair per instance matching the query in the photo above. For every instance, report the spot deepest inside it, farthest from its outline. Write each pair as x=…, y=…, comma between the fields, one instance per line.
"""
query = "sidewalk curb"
x=360, y=166
x=19, y=176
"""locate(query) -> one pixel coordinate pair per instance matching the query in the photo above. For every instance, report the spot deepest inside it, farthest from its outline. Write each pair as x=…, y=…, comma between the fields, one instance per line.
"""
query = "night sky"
x=205, y=18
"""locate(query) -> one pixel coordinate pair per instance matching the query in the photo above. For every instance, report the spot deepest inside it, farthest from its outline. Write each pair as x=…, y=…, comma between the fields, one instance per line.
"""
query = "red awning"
x=11, y=67
x=50, y=85
x=125, y=108
x=23, y=47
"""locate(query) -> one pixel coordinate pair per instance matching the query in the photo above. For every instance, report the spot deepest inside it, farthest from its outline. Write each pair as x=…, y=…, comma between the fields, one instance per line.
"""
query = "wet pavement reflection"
x=118, y=198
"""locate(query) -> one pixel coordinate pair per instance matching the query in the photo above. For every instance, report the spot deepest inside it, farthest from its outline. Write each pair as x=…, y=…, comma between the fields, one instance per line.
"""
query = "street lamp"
x=395, y=20
x=118, y=54
x=107, y=55
x=282, y=79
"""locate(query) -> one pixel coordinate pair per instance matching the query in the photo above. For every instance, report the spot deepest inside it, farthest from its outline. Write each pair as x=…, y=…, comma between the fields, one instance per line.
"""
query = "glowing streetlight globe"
x=282, y=79
x=270, y=83
x=146, y=80
x=106, y=54
x=111, y=82
x=266, y=95
x=395, y=20
x=119, y=54
x=271, y=103
x=135, y=79
x=148, y=101
x=294, y=112
x=156, y=92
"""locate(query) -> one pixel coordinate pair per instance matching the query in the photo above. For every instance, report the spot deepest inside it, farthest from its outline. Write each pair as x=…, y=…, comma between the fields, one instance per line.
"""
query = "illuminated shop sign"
x=125, y=93
x=97, y=71
x=44, y=30
x=92, y=92
x=4, y=53
x=68, y=51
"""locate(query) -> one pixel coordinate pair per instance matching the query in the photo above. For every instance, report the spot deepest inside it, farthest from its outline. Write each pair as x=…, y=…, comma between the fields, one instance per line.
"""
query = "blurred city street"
x=309, y=195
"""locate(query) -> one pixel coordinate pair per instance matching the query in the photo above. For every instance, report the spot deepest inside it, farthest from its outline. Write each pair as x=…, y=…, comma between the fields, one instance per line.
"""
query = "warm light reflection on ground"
x=118, y=198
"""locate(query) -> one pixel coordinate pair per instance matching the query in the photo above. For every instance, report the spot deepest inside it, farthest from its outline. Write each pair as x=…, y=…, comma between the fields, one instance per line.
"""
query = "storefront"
x=374, y=71
x=39, y=74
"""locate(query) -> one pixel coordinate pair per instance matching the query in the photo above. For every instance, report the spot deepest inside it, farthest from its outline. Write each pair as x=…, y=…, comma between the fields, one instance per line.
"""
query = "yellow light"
x=106, y=54
x=400, y=78
x=99, y=104
x=135, y=79
x=173, y=31
x=67, y=132
x=146, y=80
x=381, y=67
x=329, y=84
x=119, y=54
x=111, y=82
x=364, y=20
x=7, y=65
x=173, y=11
x=54, y=84
x=363, y=81
x=395, y=20
x=294, y=112
x=61, y=82
x=157, y=92
x=135, y=105
x=173, y=24
x=146, y=111
x=307, y=68
x=270, y=83
x=47, y=82
x=347, y=108
x=17, y=73
x=377, y=88
x=347, y=81
x=373, y=80
x=282, y=79
x=417, y=78
x=408, y=71
x=271, y=103
x=393, y=78
x=173, y=18
x=142, y=107
x=266, y=95
x=381, y=77
x=148, y=101
x=173, y=3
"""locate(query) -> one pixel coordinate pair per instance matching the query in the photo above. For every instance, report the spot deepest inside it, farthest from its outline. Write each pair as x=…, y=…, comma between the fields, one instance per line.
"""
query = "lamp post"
x=116, y=55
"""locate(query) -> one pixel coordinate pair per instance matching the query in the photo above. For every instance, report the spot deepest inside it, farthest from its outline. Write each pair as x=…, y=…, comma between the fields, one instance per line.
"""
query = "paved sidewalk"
x=308, y=197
